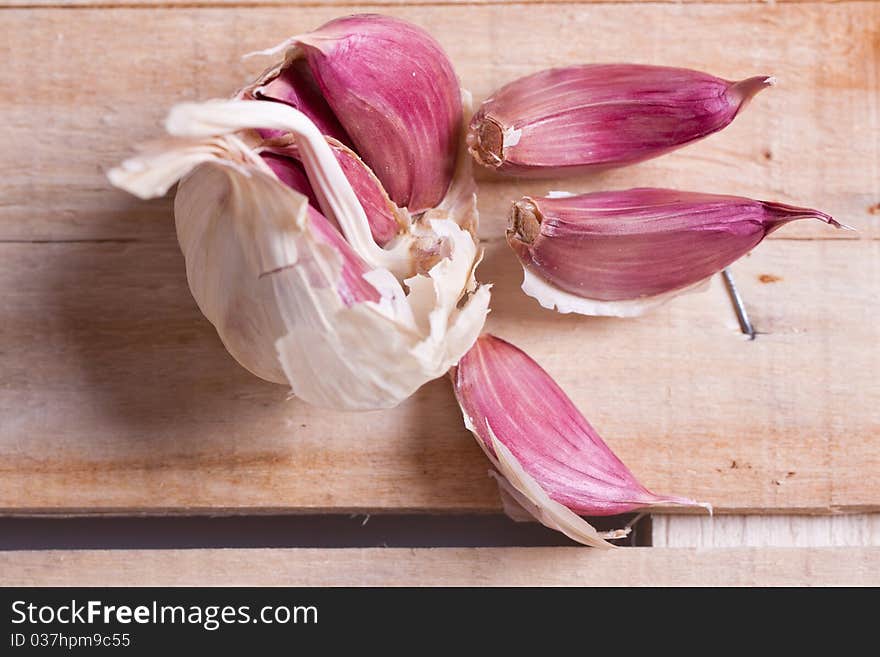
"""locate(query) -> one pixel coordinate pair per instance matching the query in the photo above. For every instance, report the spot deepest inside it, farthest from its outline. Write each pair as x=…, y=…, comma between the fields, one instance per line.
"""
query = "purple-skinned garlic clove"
x=599, y=116
x=291, y=172
x=295, y=86
x=394, y=91
x=621, y=253
x=549, y=458
x=386, y=220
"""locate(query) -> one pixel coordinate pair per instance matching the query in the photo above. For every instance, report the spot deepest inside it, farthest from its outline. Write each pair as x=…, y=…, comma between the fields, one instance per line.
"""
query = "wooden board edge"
x=444, y=567
x=182, y=511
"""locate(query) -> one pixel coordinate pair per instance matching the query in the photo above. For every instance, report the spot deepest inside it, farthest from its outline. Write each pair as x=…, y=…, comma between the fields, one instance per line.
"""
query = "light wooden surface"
x=147, y=4
x=121, y=397
x=445, y=567
x=115, y=394
x=850, y=530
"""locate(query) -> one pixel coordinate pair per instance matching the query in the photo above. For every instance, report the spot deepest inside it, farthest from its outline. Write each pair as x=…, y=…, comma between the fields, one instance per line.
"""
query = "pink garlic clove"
x=600, y=116
x=395, y=92
x=620, y=253
x=295, y=86
x=507, y=399
x=386, y=220
x=291, y=172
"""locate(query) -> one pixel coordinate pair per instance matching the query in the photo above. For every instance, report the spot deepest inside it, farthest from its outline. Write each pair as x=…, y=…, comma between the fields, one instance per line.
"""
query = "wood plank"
x=851, y=530
x=149, y=4
x=116, y=396
x=445, y=567
x=82, y=86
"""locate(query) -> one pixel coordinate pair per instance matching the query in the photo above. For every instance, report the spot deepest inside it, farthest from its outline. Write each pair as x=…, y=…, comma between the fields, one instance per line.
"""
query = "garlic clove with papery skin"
x=548, y=457
x=348, y=324
x=598, y=116
x=622, y=253
x=393, y=90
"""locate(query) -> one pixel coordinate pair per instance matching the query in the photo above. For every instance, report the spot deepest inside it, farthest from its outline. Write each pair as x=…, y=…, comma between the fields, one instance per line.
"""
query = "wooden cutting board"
x=117, y=397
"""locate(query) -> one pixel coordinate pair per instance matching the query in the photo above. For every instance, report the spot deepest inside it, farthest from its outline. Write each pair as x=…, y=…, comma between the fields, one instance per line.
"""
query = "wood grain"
x=83, y=86
x=445, y=567
x=149, y=4
x=850, y=530
x=116, y=395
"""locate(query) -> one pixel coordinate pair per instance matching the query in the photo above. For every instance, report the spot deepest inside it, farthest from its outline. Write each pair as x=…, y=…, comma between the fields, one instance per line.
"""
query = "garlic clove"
x=295, y=86
x=553, y=462
x=291, y=172
x=386, y=220
x=395, y=93
x=601, y=115
x=621, y=253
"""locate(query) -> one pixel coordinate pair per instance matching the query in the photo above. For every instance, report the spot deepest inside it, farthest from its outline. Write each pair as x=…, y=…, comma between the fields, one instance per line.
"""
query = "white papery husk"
x=554, y=298
x=266, y=281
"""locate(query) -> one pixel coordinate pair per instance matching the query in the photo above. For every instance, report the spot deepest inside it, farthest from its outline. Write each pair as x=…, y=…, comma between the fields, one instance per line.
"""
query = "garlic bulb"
x=548, y=457
x=348, y=324
x=599, y=116
x=622, y=253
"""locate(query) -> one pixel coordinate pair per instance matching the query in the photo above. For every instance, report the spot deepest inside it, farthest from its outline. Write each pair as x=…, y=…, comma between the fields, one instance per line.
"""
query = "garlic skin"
x=624, y=252
x=392, y=90
x=293, y=298
x=548, y=457
x=234, y=229
x=598, y=116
